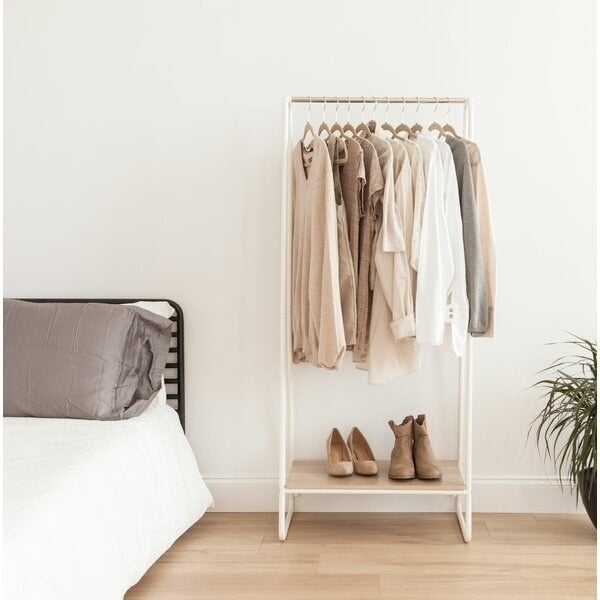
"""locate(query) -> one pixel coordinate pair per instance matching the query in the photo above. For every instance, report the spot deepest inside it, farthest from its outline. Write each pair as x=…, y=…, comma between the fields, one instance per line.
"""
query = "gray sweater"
x=476, y=282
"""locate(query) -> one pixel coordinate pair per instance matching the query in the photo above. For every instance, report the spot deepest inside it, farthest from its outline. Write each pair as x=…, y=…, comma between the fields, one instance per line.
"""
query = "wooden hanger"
x=402, y=128
x=447, y=128
x=337, y=128
x=372, y=124
x=348, y=127
x=323, y=127
x=417, y=127
x=308, y=128
x=435, y=126
x=386, y=126
x=363, y=129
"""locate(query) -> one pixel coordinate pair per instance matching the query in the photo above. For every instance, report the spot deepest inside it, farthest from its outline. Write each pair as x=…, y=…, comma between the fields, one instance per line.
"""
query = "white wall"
x=142, y=158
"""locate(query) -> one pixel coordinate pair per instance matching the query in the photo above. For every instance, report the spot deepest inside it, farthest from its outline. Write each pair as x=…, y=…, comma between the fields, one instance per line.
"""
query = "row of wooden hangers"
x=363, y=128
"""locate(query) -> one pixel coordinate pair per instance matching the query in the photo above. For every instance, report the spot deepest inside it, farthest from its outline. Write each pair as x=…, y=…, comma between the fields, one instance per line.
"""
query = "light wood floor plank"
x=195, y=586
x=478, y=589
x=378, y=555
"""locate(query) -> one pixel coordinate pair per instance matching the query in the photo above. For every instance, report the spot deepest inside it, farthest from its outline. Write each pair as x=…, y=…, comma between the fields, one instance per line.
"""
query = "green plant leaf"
x=565, y=428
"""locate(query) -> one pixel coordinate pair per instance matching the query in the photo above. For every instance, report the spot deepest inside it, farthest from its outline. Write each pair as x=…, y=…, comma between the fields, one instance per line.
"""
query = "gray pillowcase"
x=81, y=360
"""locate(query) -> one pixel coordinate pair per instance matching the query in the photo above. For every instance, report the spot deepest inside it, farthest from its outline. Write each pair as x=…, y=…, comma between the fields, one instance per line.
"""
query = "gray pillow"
x=81, y=360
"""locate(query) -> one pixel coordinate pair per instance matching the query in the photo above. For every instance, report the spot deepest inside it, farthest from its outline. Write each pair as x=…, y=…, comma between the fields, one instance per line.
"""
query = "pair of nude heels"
x=412, y=455
x=355, y=456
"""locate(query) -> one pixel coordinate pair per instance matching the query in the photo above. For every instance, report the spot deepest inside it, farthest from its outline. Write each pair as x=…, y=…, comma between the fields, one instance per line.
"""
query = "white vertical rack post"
x=310, y=477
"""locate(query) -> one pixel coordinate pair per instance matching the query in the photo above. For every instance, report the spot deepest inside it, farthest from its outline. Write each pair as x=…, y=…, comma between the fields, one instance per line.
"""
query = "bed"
x=89, y=506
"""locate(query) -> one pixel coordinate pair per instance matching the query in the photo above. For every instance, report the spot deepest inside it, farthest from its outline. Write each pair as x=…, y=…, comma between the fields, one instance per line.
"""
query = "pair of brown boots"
x=412, y=454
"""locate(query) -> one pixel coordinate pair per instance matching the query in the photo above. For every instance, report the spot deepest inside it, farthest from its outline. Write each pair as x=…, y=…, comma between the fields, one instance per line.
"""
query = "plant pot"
x=586, y=483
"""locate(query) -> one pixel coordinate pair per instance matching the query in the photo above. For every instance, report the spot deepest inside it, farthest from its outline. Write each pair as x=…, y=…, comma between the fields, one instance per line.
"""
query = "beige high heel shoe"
x=362, y=455
x=339, y=460
x=402, y=465
x=425, y=463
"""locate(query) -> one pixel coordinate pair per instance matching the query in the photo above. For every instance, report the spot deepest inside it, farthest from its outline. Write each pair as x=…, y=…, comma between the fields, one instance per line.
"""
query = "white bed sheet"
x=90, y=505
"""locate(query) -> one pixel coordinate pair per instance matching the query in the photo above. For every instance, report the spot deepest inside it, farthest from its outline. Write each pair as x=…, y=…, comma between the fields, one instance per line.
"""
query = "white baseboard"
x=490, y=494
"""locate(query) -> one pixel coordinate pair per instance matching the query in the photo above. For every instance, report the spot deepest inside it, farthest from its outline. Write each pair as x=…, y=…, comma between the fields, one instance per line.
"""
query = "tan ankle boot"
x=339, y=461
x=402, y=465
x=362, y=455
x=425, y=462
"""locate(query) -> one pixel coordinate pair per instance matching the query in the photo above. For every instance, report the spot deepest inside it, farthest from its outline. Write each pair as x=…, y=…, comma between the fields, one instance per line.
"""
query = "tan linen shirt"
x=352, y=176
x=347, y=280
x=486, y=232
x=317, y=324
x=371, y=194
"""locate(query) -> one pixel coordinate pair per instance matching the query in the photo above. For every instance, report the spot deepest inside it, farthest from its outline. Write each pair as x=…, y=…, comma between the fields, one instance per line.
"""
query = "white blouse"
x=435, y=264
x=457, y=303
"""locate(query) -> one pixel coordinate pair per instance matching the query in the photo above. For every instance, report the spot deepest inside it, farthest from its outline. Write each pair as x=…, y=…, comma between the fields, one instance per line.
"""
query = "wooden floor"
x=366, y=556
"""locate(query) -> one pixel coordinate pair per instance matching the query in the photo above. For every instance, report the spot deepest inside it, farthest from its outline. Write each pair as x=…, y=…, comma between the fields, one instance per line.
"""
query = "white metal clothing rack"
x=298, y=477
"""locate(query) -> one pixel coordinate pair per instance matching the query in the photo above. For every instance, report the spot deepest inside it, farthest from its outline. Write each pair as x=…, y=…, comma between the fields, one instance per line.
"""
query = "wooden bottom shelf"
x=310, y=477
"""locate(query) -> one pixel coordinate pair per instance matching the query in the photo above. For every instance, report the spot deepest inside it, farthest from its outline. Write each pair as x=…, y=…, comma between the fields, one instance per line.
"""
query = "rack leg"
x=282, y=529
x=464, y=519
x=285, y=519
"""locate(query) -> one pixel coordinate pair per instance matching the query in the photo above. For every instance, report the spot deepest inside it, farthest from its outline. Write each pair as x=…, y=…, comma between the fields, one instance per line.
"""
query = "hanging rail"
x=378, y=100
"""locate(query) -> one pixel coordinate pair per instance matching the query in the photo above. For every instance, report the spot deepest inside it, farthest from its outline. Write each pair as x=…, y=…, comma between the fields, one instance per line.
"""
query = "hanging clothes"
x=476, y=282
x=347, y=282
x=371, y=193
x=418, y=191
x=457, y=304
x=486, y=232
x=393, y=248
x=403, y=324
x=317, y=324
x=435, y=263
x=392, y=319
x=352, y=176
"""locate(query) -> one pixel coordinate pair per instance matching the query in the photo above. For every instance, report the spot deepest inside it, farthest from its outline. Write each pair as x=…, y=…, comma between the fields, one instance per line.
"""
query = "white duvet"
x=90, y=505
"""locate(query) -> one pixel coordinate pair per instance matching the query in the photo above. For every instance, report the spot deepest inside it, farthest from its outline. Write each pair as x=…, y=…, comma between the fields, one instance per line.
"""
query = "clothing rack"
x=297, y=477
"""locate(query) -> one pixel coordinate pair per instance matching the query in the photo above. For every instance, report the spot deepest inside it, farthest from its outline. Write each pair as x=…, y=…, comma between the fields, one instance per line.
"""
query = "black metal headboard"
x=174, y=370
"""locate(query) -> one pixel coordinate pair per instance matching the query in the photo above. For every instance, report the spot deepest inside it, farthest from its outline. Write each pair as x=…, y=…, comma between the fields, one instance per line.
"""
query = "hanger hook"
x=324, y=107
x=418, y=106
x=403, y=108
x=348, y=114
x=308, y=111
x=448, y=111
x=437, y=103
x=374, y=107
x=337, y=105
x=387, y=108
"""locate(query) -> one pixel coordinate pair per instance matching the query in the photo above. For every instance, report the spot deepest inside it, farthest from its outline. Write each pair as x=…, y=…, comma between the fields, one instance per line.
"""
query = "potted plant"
x=566, y=427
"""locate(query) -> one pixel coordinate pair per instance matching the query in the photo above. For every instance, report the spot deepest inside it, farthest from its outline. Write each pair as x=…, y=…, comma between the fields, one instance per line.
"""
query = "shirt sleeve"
x=419, y=205
x=476, y=284
x=487, y=238
x=403, y=310
x=458, y=308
